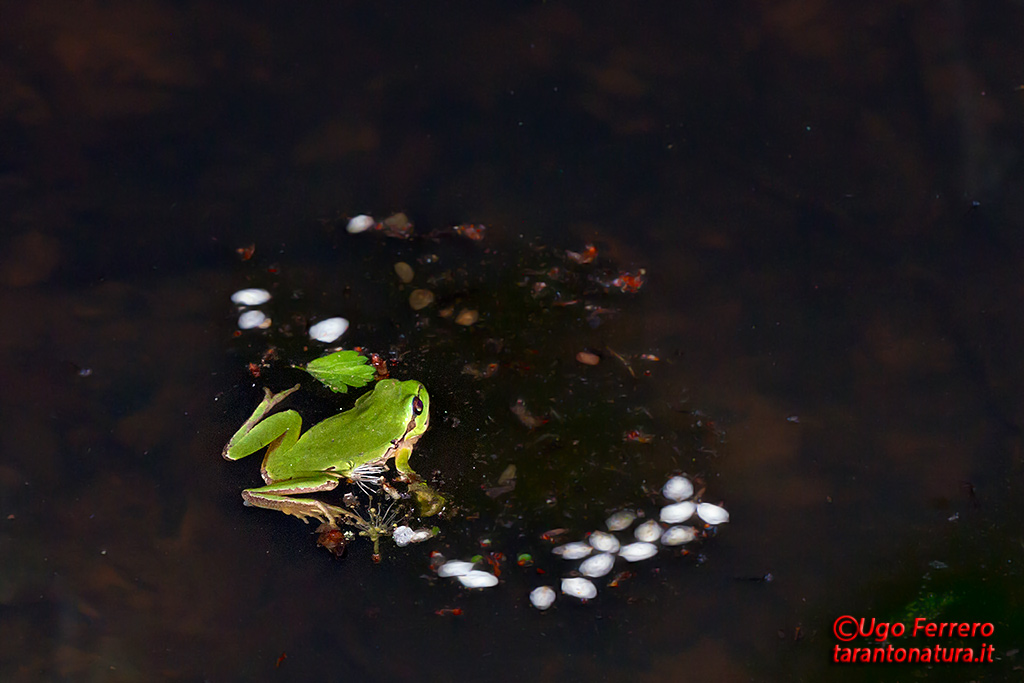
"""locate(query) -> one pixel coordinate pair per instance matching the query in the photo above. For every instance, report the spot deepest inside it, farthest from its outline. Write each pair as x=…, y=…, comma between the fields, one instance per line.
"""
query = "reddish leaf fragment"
x=471, y=231
x=449, y=612
x=554, y=534
x=619, y=578
x=638, y=436
x=495, y=559
x=588, y=255
x=380, y=366
x=629, y=282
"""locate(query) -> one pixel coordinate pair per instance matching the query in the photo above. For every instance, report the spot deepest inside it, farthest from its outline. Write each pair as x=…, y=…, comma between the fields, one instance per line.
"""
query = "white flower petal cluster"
x=666, y=529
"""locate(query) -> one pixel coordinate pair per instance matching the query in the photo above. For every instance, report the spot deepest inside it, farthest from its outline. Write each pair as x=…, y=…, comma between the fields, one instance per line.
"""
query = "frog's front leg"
x=429, y=501
x=278, y=496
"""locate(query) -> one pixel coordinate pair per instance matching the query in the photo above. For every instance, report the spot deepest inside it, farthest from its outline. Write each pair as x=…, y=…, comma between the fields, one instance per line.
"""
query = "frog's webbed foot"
x=318, y=511
x=323, y=517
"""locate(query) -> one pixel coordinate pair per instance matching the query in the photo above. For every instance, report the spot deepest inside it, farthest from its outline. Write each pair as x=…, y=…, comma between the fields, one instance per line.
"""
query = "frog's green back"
x=358, y=435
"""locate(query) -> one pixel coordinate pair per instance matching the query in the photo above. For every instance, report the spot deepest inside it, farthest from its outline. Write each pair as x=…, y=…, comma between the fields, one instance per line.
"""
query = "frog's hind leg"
x=280, y=430
x=278, y=496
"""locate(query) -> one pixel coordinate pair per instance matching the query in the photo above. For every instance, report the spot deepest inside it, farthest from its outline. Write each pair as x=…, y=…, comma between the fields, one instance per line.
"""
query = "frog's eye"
x=417, y=405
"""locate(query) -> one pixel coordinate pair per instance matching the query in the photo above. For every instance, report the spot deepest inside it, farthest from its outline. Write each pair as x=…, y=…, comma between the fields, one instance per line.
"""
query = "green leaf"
x=341, y=370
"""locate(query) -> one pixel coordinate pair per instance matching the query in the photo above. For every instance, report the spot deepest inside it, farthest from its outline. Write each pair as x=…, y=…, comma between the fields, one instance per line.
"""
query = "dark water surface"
x=825, y=197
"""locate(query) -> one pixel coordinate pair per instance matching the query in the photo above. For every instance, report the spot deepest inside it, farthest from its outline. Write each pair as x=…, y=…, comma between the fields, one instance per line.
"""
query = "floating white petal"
x=478, y=579
x=542, y=597
x=402, y=536
x=579, y=588
x=360, y=223
x=604, y=542
x=620, y=520
x=421, y=535
x=598, y=565
x=678, y=535
x=678, y=512
x=250, y=297
x=648, y=532
x=712, y=514
x=573, y=551
x=251, y=319
x=328, y=330
x=454, y=568
x=634, y=552
x=677, y=489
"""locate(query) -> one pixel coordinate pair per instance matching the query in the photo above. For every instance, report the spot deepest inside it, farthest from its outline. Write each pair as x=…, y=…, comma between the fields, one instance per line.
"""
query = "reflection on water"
x=821, y=197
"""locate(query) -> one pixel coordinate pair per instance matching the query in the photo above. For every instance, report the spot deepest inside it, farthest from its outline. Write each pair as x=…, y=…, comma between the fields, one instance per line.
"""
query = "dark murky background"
x=826, y=197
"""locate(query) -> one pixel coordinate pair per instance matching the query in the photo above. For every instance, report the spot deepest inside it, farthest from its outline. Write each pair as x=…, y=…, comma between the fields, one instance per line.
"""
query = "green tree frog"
x=355, y=445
